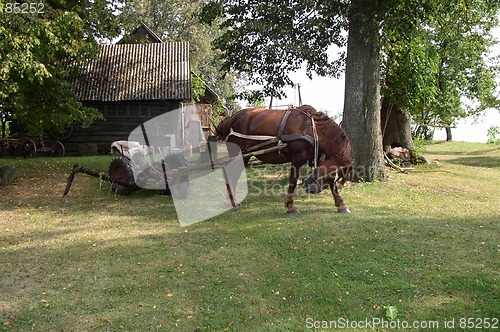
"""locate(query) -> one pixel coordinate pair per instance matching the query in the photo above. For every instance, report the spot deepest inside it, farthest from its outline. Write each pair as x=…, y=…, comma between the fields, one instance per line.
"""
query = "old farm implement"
x=140, y=166
x=30, y=147
x=301, y=136
x=169, y=152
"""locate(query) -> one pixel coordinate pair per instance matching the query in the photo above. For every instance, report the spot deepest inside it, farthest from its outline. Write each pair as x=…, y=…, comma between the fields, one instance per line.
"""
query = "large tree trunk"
x=396, y=127
x=362, y=92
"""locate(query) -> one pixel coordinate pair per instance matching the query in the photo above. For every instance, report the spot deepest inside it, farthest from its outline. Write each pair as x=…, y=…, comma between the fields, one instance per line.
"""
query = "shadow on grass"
x=271, y=273
x=481, y=161
x=462, y=153
x=124, y=263
x=487, y=157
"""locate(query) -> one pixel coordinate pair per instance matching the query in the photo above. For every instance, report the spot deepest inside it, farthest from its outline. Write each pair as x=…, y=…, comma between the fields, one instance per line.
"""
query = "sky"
x=327, y=95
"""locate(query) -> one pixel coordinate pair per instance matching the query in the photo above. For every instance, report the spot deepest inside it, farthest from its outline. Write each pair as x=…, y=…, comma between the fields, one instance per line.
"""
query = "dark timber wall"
x=121, y=118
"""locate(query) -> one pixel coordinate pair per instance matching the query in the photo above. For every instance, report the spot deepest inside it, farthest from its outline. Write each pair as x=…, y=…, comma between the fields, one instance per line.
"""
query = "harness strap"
x=283, y=122
x=316, y=144
x=261, y=145
x=253, y=137
x=286, y=138
x=296, y=137
x=314, y=141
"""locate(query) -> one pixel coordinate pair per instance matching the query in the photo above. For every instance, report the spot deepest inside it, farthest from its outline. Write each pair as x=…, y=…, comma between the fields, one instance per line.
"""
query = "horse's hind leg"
x=339, y=202
x=292, y=184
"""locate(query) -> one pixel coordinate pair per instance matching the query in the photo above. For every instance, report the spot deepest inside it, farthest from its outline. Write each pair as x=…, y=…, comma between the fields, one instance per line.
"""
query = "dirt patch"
x=7, y=309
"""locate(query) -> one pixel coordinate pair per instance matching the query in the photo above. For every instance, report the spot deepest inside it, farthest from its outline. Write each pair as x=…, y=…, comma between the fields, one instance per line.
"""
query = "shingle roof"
x=156, y=71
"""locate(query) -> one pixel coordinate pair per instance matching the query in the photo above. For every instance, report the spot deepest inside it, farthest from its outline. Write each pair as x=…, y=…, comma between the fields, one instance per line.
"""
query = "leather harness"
x=280, y=138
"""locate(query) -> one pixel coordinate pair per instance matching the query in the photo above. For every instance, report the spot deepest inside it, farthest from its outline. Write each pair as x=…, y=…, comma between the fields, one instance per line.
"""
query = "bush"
x=494, y=135
x=418, y=148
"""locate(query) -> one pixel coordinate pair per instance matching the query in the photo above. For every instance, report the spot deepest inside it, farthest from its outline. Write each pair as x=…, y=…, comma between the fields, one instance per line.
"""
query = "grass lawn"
x=426, y=242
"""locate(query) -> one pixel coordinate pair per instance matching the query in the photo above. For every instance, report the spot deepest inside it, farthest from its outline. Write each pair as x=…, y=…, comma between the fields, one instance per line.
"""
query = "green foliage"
x=179, y=20
x=419, y=148
x=266, y=40
x=37, y=54
x=432, y=52
x=198, y=88
x=494, y=135
x=258, y=103
x=254, y=98
x=436, y=57
x=391, y=312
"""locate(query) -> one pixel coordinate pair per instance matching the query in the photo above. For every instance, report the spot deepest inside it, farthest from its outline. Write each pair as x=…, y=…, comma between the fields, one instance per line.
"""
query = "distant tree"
x=432, y=64
x=257, y=103
x=39, y=49
x=493, y=135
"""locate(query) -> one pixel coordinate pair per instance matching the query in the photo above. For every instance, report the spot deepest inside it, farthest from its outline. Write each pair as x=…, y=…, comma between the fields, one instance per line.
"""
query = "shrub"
x=494, y=135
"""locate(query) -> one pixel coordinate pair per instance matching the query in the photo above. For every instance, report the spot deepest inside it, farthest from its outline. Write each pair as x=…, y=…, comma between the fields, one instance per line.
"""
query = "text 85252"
x=24, y=8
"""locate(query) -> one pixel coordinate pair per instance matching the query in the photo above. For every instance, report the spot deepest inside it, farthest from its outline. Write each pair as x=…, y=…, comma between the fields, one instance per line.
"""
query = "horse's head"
x=325, y=175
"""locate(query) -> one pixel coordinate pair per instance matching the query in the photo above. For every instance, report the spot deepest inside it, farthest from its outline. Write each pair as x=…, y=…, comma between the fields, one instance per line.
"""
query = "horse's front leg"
x=292, y=184
x=339, y=202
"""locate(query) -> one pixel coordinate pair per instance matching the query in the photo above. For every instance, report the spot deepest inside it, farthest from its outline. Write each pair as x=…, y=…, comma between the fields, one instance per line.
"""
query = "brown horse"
x=310, y=136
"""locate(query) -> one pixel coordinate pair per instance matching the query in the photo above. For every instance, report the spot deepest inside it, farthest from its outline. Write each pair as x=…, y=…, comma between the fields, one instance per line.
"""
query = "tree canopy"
x=437, y=68
x=38, y=51
x=179, y=20
x=429, y=55
x=267, y=40
x=428, y=49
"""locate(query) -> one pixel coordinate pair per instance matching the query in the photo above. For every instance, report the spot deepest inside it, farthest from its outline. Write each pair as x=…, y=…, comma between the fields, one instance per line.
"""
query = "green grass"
x=426, y=242
x=468, y=154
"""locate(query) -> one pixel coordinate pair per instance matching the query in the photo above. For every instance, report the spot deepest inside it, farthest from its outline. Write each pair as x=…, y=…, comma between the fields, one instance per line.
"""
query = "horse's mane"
x=333, y=138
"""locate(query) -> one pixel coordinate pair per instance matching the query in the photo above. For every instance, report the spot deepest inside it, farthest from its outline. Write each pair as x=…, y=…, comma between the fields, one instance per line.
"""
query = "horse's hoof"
x=293, y=212
x=344, y=210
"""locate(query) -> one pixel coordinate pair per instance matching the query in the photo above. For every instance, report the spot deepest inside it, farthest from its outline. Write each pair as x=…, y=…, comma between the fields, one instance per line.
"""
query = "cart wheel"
x=120, y=169
x=29, y=149
x=58, y=149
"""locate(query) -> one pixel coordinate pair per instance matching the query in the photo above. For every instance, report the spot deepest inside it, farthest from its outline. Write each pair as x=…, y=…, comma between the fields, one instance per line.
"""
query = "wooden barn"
x=131, y=82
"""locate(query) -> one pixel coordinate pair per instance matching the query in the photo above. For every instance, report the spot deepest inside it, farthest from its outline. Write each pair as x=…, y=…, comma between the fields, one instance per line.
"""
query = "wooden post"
x=7, y=175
